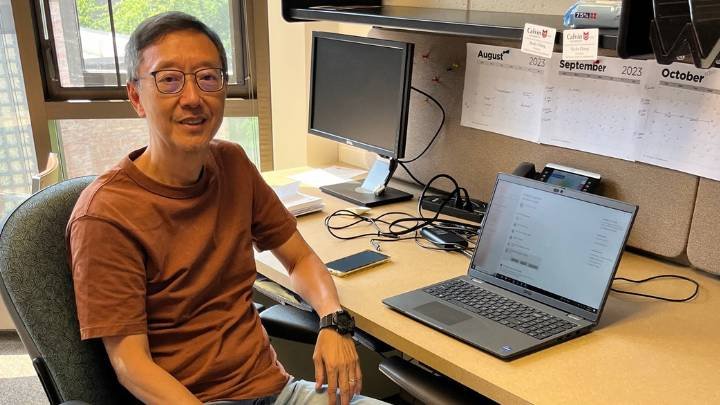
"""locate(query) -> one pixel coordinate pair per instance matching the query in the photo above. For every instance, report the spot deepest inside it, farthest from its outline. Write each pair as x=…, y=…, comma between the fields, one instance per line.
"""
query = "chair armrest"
x=371, y=342
x=427, y=387
x=290, y=323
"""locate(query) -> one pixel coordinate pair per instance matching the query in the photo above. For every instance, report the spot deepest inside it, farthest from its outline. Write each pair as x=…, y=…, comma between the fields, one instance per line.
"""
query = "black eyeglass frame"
x=223, y=76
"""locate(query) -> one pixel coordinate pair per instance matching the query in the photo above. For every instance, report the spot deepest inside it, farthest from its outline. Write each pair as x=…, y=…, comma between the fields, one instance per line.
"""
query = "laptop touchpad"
x=441, y=313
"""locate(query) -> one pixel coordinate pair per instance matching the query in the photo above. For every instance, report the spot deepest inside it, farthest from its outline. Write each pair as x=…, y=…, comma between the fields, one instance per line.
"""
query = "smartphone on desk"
x=357, y=261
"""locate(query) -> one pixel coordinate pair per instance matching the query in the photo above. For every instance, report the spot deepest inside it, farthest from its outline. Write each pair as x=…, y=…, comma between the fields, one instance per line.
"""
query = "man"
x=161, y=245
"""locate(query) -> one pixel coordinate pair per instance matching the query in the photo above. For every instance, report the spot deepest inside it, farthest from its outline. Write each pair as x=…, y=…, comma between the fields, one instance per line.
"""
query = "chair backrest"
x=36, y=284
x=49, y=176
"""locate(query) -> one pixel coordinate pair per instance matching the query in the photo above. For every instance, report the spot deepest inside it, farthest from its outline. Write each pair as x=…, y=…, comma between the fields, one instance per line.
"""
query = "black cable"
x=456, y=248
x=375, y=242
x=442, y=122
x=458, y=201
x=358, y=219
x=420, y=183
x=693, y=295
x=465, y=230
x=389, y=235
x=422, y=221
x=467, y=253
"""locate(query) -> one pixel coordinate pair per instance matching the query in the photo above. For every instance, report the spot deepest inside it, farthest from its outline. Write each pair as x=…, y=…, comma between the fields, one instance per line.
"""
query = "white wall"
x=288, y=89
x=290, y=45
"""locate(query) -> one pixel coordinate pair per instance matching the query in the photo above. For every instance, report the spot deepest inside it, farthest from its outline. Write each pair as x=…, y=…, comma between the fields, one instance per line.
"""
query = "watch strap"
x=331, y=321
x=327, y=321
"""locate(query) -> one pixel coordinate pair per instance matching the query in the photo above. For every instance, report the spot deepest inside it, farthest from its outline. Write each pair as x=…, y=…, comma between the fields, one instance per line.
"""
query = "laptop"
x=540, y=274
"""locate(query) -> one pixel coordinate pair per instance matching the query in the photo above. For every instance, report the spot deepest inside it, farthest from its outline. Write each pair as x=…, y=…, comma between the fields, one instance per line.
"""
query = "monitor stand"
x=373, y=191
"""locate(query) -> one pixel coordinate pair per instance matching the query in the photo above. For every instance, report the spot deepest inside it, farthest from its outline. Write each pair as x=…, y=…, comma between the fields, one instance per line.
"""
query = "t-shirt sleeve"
x=109, y=279
x=272, y=223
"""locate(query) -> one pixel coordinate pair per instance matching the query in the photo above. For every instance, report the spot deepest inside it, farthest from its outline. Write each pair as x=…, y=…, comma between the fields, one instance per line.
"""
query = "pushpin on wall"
x=453, y=67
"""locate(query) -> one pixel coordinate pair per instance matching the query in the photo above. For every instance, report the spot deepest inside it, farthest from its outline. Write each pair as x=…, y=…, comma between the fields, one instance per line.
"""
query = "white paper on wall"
x=681, y=120
x=503, y=91
x=593, y=106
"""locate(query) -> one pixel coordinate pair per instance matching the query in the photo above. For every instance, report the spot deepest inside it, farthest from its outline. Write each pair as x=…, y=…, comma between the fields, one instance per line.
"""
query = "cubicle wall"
x=674, y=220
x=704, y=245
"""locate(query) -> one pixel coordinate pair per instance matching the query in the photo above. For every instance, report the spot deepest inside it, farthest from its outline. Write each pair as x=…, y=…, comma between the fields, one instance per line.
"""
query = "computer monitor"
x=359, y=96
x=634, y=29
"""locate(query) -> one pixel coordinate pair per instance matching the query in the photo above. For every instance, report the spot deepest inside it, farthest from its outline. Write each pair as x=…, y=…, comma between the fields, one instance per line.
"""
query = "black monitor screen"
x=359, y=91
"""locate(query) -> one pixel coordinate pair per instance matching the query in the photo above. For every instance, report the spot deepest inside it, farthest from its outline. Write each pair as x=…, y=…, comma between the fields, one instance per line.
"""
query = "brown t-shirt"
x=176, y=263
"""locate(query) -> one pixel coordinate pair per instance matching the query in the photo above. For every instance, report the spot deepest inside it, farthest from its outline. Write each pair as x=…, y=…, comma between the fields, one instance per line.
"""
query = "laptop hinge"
x=575, y=317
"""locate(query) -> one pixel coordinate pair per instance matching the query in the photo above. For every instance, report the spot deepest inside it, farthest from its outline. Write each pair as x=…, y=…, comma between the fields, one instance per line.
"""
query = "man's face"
x=188, y=120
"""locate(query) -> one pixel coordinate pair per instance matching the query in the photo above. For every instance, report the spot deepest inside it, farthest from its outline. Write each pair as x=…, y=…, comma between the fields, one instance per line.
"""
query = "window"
x=82, y=57
x=84, y=155
x=84, y=42
x=17, y=155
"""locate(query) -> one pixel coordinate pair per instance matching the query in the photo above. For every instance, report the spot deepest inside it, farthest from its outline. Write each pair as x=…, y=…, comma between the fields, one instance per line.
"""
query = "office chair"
x=36, y=285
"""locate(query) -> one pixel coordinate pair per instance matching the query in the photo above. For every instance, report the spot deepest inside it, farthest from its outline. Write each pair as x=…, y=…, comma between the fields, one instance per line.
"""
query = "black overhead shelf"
x=459, y=22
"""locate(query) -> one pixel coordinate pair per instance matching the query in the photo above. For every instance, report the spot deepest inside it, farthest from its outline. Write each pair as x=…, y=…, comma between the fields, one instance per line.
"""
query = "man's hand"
x=335, y=357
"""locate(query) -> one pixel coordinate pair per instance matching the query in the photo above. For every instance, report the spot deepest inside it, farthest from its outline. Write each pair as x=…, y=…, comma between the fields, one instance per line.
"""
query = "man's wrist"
x=340, y=320
x=329, y=311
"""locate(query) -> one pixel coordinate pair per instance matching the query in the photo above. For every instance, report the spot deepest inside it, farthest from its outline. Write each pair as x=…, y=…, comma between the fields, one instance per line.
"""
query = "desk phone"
x=560, y=175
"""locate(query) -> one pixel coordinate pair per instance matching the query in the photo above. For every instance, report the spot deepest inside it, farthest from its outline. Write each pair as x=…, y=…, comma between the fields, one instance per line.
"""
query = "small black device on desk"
x=443, y=238
x=560, y=175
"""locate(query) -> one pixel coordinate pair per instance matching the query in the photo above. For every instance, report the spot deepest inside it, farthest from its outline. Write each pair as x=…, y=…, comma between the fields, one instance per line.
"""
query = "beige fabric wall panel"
x=473, y=157
x=702, y=247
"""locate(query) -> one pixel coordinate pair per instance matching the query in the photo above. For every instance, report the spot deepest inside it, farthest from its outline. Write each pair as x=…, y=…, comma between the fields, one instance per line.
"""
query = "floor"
x=19, y=384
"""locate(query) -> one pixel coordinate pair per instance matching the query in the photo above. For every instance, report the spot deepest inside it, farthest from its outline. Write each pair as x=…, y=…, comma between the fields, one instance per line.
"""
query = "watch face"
x=344, y=321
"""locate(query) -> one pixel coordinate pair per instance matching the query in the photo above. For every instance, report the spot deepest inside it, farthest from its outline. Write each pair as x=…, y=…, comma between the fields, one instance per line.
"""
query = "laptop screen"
x=552, y=243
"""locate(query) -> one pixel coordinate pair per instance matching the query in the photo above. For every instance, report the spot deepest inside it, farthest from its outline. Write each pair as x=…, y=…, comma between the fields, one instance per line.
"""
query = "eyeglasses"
x=172, y=81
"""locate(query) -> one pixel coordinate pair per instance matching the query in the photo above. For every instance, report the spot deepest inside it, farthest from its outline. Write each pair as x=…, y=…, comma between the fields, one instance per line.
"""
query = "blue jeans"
x=297, y=392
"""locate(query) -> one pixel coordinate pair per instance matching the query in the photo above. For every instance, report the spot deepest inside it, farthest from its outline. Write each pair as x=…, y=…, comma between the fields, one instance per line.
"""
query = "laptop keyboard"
x=505, y=311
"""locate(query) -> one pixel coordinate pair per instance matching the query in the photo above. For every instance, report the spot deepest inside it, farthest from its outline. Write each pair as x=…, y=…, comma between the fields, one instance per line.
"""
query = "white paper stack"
x=295, y=201
x=327, y=176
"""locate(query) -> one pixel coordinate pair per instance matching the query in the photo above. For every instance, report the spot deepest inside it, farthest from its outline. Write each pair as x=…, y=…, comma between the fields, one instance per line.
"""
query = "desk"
x=644, y=351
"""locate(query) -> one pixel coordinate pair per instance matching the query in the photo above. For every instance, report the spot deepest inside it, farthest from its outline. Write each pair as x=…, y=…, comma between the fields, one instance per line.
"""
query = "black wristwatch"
x=341, y=321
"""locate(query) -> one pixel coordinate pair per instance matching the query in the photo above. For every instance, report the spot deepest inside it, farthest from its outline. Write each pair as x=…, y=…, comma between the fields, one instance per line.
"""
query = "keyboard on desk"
x=505, y=311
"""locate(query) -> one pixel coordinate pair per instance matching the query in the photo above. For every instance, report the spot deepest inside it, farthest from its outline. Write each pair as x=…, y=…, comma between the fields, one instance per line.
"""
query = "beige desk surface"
x=644, y=351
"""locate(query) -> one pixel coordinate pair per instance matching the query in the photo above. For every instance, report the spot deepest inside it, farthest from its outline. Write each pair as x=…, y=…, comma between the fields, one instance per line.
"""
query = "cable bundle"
x=404, y=226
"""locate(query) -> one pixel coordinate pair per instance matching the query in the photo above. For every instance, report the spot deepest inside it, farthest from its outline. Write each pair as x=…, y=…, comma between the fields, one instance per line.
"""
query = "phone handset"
x=525, y=169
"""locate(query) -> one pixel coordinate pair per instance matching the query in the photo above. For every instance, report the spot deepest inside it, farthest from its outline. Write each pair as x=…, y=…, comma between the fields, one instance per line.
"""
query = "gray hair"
x=156, y=27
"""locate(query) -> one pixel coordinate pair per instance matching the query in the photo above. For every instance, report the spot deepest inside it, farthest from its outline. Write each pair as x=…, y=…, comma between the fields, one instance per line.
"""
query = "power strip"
x=433, y=202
